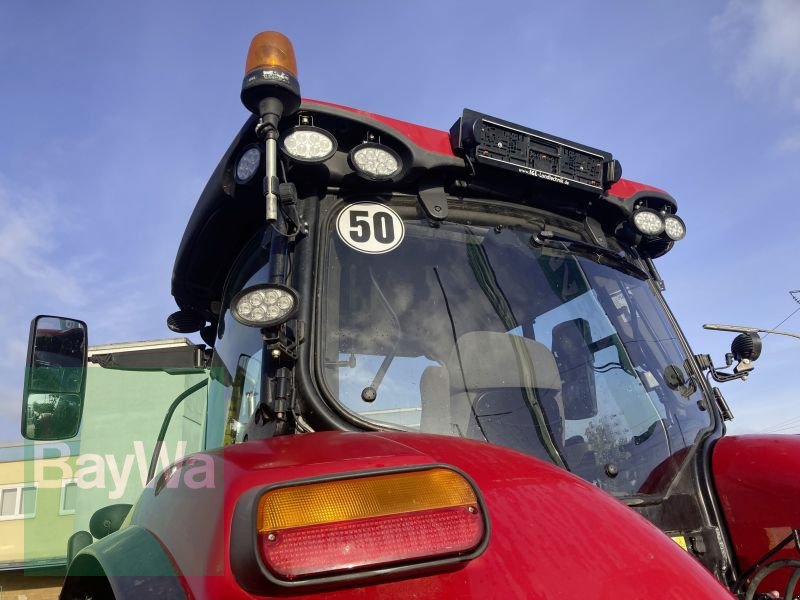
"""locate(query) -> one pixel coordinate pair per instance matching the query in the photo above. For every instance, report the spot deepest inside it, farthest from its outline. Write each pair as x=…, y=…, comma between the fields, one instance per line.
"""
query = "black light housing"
x=248, y=164
x=308, y=144
x=185, y=321
x=674, y=227
x=653, y=232
x=375, y=162
x=647, y=222
x=265, y=305
x=655, y=247
x=746, y=346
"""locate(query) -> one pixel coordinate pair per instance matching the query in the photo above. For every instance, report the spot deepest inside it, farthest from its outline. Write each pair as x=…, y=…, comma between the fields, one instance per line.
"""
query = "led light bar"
x=313, y=531
x=493, y=142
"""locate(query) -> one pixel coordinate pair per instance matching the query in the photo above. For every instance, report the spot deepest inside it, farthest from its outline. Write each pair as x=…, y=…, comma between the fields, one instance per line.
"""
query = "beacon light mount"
x=270, y=90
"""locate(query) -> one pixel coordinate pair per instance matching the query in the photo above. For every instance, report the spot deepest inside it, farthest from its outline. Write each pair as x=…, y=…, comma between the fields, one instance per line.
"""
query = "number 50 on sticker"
x=370, y=227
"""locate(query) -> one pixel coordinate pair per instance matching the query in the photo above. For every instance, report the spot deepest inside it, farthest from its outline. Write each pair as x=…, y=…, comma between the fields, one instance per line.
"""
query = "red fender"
x=757, y=479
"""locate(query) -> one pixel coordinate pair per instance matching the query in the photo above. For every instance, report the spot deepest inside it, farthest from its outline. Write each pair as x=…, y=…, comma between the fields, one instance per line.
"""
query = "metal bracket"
x=287, y=194
x=434, y=202
x=705, y=363
x=280, y=342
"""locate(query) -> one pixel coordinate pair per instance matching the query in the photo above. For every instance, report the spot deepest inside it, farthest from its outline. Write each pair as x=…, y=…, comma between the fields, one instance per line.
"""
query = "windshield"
x=468, y=329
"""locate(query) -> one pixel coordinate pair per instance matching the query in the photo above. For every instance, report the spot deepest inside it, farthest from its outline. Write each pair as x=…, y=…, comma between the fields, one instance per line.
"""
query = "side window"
x=245, y=396
x=236, y=369
x=594, y=362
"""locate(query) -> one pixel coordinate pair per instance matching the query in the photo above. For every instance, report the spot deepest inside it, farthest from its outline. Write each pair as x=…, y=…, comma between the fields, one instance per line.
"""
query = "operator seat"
x=434, y=387
x=480, y=393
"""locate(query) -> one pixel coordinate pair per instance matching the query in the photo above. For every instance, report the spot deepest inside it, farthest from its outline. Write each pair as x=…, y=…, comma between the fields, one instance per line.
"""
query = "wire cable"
x=795, y=294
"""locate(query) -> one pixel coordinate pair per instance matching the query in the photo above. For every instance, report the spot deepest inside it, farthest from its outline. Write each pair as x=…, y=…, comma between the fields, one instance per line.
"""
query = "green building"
x=50, y=490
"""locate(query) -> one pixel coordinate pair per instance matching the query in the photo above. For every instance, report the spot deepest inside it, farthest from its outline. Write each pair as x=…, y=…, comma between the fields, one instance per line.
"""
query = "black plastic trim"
x=658, y=200
x=708, y=492
x=325, y=225
x=707, y=496
x=254, y=576
x=311, y=402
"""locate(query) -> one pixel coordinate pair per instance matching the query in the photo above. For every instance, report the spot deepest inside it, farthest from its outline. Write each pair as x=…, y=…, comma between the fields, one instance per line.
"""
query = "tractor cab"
x=491, y=283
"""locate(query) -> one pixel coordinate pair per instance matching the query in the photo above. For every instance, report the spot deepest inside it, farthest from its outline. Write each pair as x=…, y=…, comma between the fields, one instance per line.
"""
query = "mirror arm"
x=165, y=425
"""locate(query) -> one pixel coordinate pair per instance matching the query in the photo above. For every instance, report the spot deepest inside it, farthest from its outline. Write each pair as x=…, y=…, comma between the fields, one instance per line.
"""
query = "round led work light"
x=648, y=222
x=308, y=144
x=375, y=161
x=674, y=227
x=247, y=165
x=264, y=305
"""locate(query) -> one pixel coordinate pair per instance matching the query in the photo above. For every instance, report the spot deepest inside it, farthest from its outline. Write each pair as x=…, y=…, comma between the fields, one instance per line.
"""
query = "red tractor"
x=439, y=365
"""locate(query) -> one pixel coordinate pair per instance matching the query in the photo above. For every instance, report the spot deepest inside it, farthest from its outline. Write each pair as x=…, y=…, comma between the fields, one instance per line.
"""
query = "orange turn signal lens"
x=347, y=499
x=351, y=525
x=271, y=49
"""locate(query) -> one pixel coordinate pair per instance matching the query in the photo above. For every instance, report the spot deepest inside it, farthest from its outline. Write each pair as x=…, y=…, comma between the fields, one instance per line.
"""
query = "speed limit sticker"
x=370, y=227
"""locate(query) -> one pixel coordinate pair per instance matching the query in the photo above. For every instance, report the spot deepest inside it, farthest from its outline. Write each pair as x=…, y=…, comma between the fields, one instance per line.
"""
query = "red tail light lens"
x=371, y=542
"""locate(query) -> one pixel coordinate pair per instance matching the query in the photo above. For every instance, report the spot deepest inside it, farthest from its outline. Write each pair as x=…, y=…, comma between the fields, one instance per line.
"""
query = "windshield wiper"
x=370, y=393
x=555, y=240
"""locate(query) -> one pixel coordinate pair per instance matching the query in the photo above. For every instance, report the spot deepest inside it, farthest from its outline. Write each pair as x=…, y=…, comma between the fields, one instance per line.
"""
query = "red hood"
x=552, y=534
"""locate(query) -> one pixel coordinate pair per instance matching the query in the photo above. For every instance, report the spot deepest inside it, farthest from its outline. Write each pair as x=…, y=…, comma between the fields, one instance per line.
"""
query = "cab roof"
x=228, y=214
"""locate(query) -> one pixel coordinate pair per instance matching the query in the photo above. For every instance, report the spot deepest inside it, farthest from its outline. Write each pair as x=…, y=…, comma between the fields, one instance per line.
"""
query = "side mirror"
x=571, y=349
x=55, y=378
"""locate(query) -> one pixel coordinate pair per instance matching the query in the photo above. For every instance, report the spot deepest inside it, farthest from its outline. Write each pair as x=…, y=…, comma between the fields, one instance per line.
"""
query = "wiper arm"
x=553, y=239
x=370, y=393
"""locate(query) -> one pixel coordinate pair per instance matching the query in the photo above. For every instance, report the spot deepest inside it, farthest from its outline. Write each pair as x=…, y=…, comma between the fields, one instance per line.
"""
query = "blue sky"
x=113, y=116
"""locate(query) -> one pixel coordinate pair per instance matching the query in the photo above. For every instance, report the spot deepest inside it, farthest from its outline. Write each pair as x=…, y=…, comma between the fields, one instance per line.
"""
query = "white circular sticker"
x=370, y=227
